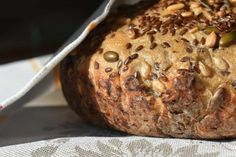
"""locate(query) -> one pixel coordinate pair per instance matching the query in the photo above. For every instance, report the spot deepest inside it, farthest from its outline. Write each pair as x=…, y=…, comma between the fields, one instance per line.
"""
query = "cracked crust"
x=172, y=89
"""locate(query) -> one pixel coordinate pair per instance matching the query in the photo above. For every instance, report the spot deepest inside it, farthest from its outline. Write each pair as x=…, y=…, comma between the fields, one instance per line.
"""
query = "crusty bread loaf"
x=164, y=69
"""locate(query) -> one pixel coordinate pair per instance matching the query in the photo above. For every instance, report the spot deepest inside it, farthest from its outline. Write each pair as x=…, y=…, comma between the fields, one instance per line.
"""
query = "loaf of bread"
x=159, y=68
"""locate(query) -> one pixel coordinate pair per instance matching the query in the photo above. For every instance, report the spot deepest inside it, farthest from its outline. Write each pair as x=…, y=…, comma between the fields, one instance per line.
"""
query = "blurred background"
x=30, y=28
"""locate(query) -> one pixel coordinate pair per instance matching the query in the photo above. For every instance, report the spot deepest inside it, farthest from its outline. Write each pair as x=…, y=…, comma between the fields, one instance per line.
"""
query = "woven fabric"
x=120, y=147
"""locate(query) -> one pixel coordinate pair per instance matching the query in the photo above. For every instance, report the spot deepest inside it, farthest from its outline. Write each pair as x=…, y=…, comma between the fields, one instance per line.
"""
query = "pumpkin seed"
x=111, y=56
x=210, y=29
x=227, y=38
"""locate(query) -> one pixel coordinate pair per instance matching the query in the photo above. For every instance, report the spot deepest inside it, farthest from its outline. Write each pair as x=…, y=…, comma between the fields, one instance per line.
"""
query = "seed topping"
x=111, y=56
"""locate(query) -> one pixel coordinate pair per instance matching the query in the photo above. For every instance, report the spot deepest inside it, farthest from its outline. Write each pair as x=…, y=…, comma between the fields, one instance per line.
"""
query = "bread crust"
x=170, y=84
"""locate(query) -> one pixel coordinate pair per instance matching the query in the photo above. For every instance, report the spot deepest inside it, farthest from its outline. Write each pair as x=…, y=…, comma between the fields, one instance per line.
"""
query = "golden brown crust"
x=158, y=72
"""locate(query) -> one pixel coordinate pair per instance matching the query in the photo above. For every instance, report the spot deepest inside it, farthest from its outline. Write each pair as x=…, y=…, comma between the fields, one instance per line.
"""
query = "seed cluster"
x=215, y=18
x=190, y=17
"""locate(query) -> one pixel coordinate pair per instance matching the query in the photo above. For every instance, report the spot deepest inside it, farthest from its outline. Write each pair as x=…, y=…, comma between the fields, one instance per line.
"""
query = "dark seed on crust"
x=152, y=32
x=128, y=46
x=157, y=66
x=195, y=42
x=185, y=40
x=164, y=32
x=166, y=44
x=173, y=31
x=203, y=41
x=183, y=31
x=134, y=56
x=139, y=48
x=127, y=61
x=151, y=38
x=177, y=41
x=108, y=69
x=96, y=65
x=185, y=59
x=189, y=49
x=153, y=46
